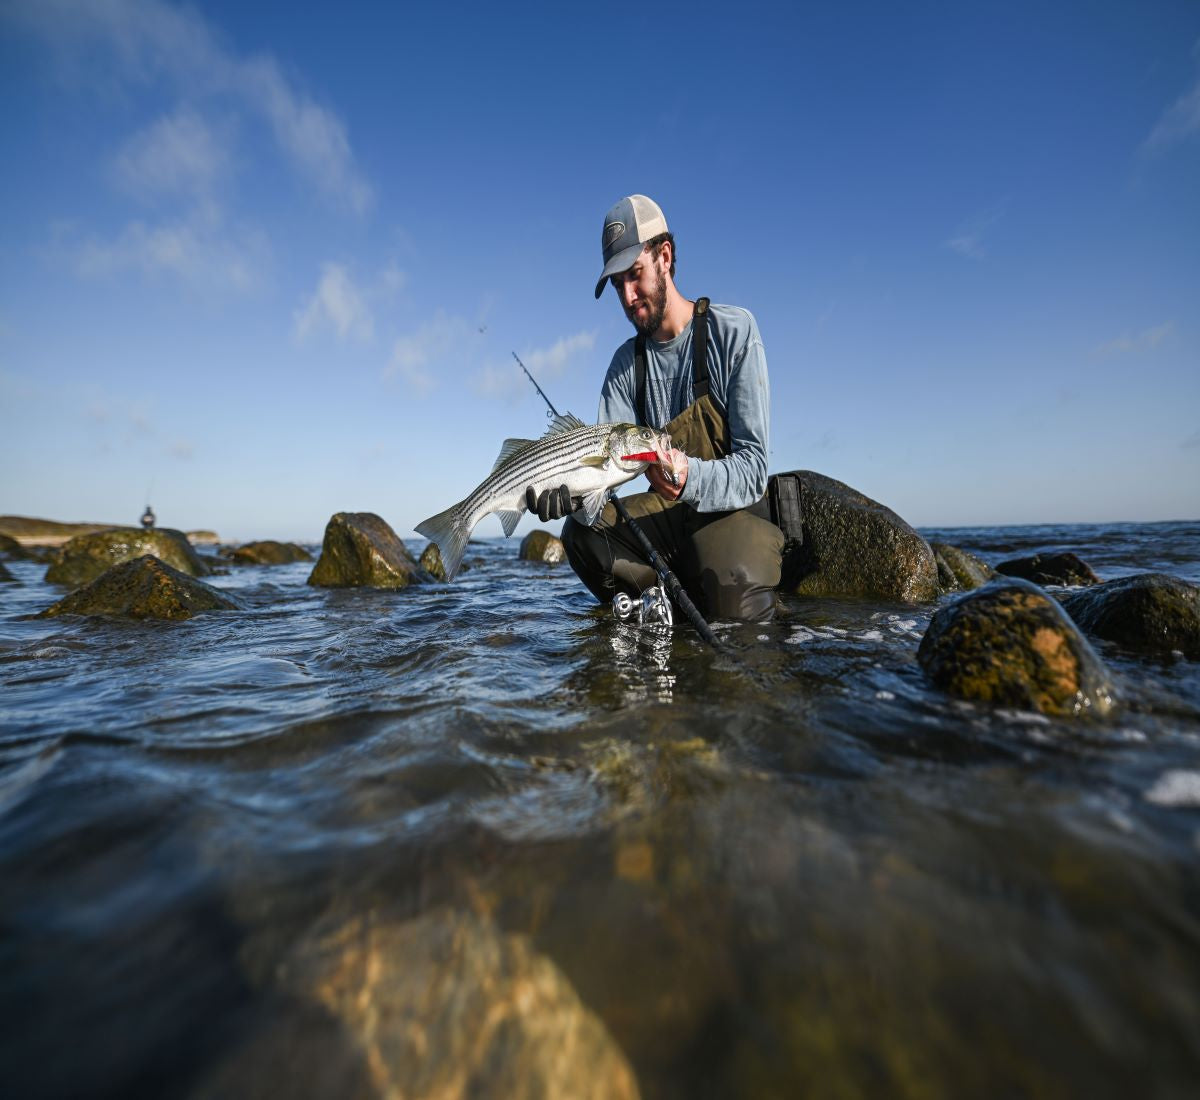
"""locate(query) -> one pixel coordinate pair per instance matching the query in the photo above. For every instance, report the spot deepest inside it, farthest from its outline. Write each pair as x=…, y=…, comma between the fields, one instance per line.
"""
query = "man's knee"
x=738, y=563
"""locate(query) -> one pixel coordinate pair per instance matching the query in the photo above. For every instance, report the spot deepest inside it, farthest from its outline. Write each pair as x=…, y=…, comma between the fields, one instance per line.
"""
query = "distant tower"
x=148, y=517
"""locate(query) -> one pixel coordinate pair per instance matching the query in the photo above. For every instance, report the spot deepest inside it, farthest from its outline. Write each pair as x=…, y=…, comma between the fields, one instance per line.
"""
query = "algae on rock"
x=361, y=550
x=86, y=556
x=1011, y=644
x=855, y=547
x=1150, y=612
x=542, y=546
x=144, y=588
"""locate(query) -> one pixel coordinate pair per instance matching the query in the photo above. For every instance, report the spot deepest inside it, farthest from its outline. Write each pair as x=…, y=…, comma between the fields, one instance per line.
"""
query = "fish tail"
x=450, y=533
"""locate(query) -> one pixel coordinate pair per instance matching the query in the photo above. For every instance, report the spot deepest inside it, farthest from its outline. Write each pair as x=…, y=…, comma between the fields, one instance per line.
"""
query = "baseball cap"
x=627, y=227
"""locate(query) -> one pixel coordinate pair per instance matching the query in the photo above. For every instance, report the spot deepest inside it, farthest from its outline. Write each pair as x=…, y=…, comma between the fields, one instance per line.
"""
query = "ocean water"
x=800, y=872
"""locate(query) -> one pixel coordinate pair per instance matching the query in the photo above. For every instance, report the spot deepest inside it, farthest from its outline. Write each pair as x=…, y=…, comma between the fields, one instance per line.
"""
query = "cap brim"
x=622, y=261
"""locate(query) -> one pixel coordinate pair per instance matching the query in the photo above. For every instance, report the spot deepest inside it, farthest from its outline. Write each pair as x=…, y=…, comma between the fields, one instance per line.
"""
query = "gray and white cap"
x=627, y=227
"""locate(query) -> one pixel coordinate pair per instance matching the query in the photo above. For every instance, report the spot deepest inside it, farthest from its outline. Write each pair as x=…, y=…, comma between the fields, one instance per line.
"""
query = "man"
x=699, y=371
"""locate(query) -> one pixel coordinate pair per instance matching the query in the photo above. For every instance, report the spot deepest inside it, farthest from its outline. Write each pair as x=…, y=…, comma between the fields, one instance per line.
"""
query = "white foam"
x=885, y=695
x=1176, y=788
x=872, y=636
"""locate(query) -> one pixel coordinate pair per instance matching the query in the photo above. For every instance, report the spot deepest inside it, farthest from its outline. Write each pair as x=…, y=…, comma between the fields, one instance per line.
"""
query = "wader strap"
x=700, y=381
x=783, y=491
x=700, y=386
x=639, y=374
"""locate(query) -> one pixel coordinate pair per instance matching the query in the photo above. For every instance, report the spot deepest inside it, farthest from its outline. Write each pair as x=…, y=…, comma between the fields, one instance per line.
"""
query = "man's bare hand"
x=668, y=477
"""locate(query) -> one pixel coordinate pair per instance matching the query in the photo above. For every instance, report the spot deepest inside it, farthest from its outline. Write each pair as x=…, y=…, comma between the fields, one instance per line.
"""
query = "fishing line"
x=669, y=580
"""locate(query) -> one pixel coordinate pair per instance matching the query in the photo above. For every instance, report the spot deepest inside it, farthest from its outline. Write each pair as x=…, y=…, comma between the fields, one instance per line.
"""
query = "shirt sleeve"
x=739, y=479
x=617, y=399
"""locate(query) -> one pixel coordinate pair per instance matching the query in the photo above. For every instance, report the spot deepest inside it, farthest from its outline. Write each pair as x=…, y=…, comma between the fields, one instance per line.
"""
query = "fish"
x=590, y=459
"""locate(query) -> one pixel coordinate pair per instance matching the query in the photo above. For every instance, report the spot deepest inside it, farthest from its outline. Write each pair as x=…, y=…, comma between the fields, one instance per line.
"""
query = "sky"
x=261, y=263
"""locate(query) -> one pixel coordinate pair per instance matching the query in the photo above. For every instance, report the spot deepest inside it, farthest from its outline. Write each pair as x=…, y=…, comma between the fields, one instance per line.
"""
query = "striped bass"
x=590, y=459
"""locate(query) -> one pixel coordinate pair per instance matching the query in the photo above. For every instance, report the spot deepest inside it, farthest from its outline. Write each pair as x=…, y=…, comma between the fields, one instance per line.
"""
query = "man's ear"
x=666, y=254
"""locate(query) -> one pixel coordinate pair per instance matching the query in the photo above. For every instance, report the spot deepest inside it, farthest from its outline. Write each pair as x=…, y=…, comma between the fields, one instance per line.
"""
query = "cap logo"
x=612, y=231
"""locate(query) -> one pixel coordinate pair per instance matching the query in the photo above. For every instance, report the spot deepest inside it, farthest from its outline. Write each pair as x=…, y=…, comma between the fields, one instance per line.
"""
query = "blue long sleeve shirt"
x=737, y=367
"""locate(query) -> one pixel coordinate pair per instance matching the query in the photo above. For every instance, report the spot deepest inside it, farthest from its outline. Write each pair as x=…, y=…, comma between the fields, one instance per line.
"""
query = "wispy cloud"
x=507, y=381
x=177, y=155
x=968, y=238
x=1146, y=340
x=149, y=42
x=437, y=343
x=196, y=248
x=1180, y=121
x=338, y=303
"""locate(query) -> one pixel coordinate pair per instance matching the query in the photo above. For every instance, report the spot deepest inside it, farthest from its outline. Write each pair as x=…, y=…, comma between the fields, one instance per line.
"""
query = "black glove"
x=552, y=504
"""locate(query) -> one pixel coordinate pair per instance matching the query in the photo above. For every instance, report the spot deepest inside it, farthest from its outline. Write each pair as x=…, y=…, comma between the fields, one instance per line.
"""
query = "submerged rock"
x=449, y=1006
x=542, y=546
x=958, y=569
x=85, y=557
x=1065, y=568
x=266, y=552
x=6, y=576
x=1010, y=644
x=361, y=550
x=431, y=561
x=1150, y=612
x=144, y=588
x=855, y=547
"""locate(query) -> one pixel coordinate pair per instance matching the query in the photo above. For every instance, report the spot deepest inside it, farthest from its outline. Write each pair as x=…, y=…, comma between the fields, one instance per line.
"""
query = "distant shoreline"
x=29, y=531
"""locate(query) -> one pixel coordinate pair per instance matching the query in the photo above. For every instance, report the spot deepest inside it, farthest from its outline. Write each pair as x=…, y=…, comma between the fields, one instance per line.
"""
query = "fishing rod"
x=668, y=578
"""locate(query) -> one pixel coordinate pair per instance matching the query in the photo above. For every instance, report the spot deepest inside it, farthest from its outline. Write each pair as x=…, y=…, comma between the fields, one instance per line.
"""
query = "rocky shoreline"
x=1013, y=635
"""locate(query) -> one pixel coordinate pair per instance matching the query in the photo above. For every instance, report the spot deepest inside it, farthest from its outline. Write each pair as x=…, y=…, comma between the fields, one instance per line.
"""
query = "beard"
x=657, y=301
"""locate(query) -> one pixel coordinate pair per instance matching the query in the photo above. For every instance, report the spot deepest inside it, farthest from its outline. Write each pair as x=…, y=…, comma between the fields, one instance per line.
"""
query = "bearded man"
x=698, y=371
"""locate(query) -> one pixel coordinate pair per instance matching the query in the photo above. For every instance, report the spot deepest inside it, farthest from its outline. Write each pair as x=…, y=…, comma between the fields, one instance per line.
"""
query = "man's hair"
x=654, y=244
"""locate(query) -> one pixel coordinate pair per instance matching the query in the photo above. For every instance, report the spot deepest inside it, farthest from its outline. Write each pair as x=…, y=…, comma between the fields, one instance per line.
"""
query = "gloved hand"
x=551, y=504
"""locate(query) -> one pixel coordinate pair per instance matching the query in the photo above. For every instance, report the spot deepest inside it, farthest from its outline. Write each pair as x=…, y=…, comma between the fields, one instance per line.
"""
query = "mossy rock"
x=431, y=561
x=10, y=548
x=959, y=570
x=855, y=547
x=542, y=546
x=144, y=588
x=1151, y=613
x=1065, y=569
x=1010, y=644
x=85, y=557
x=266, y=552
x=447, y=1005
x=362, y=550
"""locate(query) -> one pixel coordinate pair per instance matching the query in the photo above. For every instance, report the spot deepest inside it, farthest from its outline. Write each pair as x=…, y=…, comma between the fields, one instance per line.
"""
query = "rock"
x=542, y=546
x=10, y=548
x=144, y=588
x=5, y=576
x=361, y=550
x=855, y=547
x=266, y=552
x=1151, y=613
x=203, y=538
x=959, y=570
x=86, y=556
x=431, y=562
x=449, y=1006
x=1010, y=644
x=1064, y=568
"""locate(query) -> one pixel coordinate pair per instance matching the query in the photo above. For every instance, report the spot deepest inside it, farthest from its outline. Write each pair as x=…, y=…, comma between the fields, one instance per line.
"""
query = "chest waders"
x=729, y=562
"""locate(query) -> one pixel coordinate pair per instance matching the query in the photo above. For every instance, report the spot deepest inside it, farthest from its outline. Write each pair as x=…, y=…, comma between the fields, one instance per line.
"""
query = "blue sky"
x=266, y=262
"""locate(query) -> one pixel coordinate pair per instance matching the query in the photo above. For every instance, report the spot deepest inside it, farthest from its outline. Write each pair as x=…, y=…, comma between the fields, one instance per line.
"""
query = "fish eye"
x=645, y=433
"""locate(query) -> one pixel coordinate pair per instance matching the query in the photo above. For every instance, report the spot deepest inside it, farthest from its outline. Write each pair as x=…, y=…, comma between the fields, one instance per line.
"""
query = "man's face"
x=642, y=290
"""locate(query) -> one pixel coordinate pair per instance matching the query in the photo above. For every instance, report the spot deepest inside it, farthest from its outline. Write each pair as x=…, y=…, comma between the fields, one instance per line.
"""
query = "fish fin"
x=564, y=422
x=594, y=460
x=509, y=521
x=593, y=505
x=509, y=448
x=451, y=534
